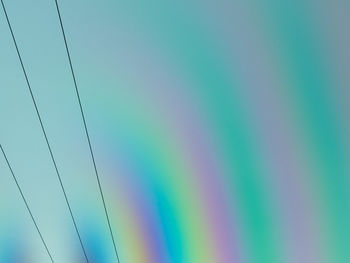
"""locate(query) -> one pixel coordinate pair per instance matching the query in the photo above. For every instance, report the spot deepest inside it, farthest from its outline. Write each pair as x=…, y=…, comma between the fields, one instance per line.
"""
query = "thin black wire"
x=26, y=203
x=86, y=130
x=44, y=131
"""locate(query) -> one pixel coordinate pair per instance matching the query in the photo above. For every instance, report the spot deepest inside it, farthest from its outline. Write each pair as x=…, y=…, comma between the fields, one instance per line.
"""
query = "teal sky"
x=220, y=130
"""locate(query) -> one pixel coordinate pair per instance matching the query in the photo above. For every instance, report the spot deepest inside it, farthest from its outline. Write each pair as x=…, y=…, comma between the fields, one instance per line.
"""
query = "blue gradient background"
x=220, y=129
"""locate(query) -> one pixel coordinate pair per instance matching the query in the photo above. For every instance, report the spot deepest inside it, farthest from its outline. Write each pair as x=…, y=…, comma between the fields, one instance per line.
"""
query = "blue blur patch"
x=95, y=245
x=170, y=228
x=12, y=252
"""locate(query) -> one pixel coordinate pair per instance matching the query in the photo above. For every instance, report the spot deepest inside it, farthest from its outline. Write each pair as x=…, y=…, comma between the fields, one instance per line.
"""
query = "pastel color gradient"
x=221, y=131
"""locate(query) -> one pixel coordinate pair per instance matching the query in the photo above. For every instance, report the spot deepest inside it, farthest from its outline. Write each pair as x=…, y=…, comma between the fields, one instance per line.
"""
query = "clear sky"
x=220, y=130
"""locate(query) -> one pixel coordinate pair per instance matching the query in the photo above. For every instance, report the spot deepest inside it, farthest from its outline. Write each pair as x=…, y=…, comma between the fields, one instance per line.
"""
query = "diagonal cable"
x=44, y=131
x=26, y=204
x=86, y=129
